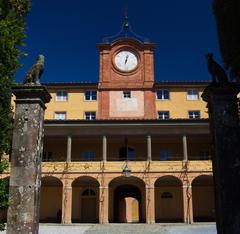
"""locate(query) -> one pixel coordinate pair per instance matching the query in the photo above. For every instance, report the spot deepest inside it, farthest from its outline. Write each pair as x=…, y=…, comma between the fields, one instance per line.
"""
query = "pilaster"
x=67, y=203
x=150, y=204
x=187, y=204
x=103, y=204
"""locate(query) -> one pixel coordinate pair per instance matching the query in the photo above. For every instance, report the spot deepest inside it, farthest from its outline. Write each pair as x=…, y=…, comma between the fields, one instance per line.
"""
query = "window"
x=47, y=156
x=126, y=94
x=90, y=115
x=127, y=153
x=88, y=192
x=165, y=155
x=162, y=94
x=163, y=114
x=91, y=95
x=194, y=114
x=61, y=96
x=60, y=115
x=192, y=94
x=89, y=155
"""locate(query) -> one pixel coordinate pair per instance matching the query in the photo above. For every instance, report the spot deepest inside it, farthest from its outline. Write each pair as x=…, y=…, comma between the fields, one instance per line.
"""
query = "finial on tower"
x=126, y=24
x=126, y=31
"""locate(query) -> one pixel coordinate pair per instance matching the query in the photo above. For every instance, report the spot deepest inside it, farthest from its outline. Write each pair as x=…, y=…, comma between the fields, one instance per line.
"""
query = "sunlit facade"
x=127, y=148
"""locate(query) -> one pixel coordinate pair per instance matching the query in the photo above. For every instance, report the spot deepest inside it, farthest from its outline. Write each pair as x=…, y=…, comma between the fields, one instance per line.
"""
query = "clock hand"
x=126, y=59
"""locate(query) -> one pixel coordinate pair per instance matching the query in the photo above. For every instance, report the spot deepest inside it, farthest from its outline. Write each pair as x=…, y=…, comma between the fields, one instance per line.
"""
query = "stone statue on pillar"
x=27, y=146
x=32, y=77
x=222, y=102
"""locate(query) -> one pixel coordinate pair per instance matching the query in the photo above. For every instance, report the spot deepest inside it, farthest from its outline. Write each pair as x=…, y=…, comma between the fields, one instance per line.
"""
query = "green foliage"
x=12, y=26
x=12, y=33
x=227, y=14
x=4, y=185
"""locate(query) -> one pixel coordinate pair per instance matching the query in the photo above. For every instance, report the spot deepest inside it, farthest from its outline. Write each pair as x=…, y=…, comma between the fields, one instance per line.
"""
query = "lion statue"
x=32, y=77
x=215, y=70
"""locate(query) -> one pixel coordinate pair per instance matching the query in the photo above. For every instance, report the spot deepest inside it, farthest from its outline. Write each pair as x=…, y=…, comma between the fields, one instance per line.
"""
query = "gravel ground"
x=193, y=229
x=61, y=229
x=152, y=229
x=127, y=229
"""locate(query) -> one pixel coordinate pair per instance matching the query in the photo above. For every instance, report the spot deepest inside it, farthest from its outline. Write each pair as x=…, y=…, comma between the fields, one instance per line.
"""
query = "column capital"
x=67, y=186
x=31, y=94
x=103, y=187
x=217, y=89
x=150, y=187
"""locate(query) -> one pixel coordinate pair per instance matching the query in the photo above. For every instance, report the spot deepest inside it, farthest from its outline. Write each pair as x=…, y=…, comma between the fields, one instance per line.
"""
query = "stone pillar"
x=150, y=204
x=224, y=126
x=149, y=148
x=69, y=148
x=187, y=204
x=67, y=203
x=104, y=148
x=27, y=143
x=103, y=204
x=185, y=151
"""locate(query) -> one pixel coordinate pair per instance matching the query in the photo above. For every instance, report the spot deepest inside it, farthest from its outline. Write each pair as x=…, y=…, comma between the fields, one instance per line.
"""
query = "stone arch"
x=168, y=199
x=85, y=200
x=203, y=199
x=51, y=199
x=127, y=199
x=128, y=180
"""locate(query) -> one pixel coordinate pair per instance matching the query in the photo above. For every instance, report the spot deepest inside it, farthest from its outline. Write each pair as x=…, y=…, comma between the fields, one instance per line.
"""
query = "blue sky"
x=67, y=32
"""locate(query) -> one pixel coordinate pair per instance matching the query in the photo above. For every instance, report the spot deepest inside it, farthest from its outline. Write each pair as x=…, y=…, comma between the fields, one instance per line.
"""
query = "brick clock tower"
x=126, y=80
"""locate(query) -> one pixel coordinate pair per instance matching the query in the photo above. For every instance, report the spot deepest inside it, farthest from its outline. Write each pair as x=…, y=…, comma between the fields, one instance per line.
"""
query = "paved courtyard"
x=127, y=229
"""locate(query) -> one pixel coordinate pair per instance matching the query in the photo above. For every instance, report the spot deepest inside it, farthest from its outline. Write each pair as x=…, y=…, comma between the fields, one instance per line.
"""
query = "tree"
x=12, y=33
x=227, y=14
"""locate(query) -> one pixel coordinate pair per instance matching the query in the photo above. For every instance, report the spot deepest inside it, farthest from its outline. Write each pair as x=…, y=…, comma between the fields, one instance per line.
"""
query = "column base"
x=151, y=222
x=104, y=223
x=67, y=222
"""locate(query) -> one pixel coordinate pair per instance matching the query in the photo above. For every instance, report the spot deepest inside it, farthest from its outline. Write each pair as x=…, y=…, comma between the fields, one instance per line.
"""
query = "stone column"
x=185, y=150
x=149, y=148
x=103, y=204
x=27, y=143
x=69, y=149
x=104, y=148
x=187, y=204
x=67, y=203
x=224, y=126
x=150, y=204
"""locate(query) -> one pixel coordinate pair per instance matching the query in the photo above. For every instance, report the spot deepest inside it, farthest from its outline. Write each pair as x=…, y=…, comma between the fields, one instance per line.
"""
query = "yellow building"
x=126, y=149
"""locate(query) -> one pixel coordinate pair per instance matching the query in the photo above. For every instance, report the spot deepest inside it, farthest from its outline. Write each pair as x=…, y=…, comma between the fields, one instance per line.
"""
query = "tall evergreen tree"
x=12, y=33
x=227, y=14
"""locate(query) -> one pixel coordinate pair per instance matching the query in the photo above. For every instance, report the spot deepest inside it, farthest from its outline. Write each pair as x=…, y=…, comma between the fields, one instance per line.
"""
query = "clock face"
x=126, y=60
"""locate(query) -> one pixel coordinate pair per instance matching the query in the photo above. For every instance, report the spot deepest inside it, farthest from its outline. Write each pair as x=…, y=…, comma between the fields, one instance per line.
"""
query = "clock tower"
x=126, y=80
